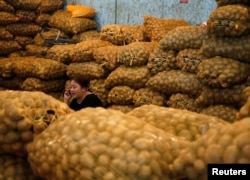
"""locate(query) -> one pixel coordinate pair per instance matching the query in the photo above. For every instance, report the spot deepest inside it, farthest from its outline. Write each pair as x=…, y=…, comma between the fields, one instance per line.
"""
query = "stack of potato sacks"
x=28, y=30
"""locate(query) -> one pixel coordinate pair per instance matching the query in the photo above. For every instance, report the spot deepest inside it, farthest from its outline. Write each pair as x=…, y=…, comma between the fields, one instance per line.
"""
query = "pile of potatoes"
x=98, y=143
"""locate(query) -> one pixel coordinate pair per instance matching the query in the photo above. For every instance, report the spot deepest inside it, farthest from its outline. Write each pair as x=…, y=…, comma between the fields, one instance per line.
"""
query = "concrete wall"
x=130, y=12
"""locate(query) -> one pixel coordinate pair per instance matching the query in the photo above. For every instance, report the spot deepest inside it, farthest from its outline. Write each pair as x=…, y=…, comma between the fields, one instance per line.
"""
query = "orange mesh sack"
x=48, y=6
x=229, y=47
x=184, y=37
x=230, y=20
x=7, y=47
x=222, y=72
x=78, y=10
x=156, y=28
x=7, y=18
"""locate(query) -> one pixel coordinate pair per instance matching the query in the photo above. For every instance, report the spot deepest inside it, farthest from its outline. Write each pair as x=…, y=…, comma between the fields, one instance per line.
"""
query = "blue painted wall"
x=131, y=12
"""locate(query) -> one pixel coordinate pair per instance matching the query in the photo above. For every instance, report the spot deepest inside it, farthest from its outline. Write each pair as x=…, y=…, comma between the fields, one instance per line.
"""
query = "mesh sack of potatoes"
x=5, y=34
x=25, y=114
x=189, y=59
x=38, y=67
x=231, y=96
x=23, y=41
x=25, y=15
x=42, y=19
x=49, y=85
x=5, y=6
x=107, y=56
x=175, y=81
x=60, y=53
x=225, y=112
x=48, y=6
x=229, y=2
x=97, y=86
x=14, y=167
x=83, y=51
x=40, y=38
x=229, y=47
x=156, y=28
x=7, y=18
x=220, y=145
x=182, y=123
x=25, y=4
x=36, y=50
x=136, y=53
x=122, y=108
x=183, y=101
x=222, y=72
x=90, y=70
x=134, y=77
x=14, y=83
x=184, y=37
x=121, y=95
x=23, y=29
x=144, y=96
x=230, y=20
x=161, y=60
x=87, y=35
x=98, y=143
x=62, y=20
x=120, y=34
x=7, y=47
